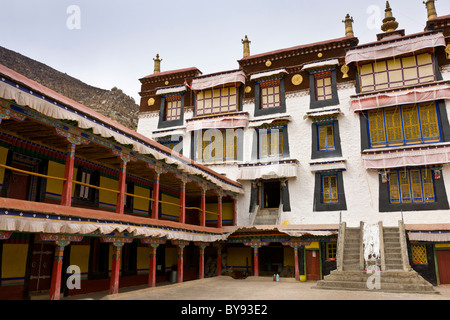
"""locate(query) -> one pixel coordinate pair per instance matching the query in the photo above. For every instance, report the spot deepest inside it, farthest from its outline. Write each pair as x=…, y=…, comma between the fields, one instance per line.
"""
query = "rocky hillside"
x=112, y=103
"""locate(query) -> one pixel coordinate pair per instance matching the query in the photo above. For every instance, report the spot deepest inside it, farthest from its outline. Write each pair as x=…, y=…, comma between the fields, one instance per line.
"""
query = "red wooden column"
x=256, y=244
x=120, y=205
x=203, y=188
x=117, y=243
x=184, y=179
x=66, y=196
x=154, y=244
x=181, y=244
x=157, y=167
x=201, y=265
x=219, y=208
x=55, y=287
x=296, y=244
x=234, y=210
x=115, y=269
x=219, y=248
x=61, y=241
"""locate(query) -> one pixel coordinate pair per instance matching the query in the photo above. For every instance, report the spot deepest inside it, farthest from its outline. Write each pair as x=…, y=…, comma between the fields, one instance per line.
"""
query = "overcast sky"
x=113, y=43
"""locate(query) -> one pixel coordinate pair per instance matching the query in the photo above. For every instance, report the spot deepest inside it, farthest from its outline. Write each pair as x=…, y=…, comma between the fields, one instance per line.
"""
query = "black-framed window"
x=171, y=110
x=323, y=88
x=271, y=142
x=376, y=132
x=217, y=145
x=326, y=141
x=270, y=96
x=86, y=195
x=329, y=192
x=412, y=189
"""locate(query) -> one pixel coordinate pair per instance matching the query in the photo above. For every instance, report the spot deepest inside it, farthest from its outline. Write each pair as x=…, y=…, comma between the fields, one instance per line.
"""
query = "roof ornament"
x=246, y=44
x=389, y=23
x=157, y=64
x=431, y=9
x=348, y=26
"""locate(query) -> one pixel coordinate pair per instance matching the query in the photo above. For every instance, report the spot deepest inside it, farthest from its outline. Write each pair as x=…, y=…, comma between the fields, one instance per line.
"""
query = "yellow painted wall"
x=238, y=256
x=107, y=196
x=171, y=257
x=55, y=170
x=227, y=211
x=170, y=209
x=289, y=258
x=313, y=245
x=79, y=256
x=143, y=254
x=14, y=260
x=141, y=204
x=3, y=155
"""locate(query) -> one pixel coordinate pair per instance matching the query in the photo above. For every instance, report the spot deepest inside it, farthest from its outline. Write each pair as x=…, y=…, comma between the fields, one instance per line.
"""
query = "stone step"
x=384, y=287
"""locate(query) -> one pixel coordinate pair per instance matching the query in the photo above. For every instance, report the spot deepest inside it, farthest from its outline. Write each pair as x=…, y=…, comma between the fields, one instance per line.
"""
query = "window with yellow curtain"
x=413, y=185
x=217, y=145
x=326, y=137
x=214, y=101
x=329, y=189
x=397, y=72
x=271, y=142
x=404, y=125
x=324, y=90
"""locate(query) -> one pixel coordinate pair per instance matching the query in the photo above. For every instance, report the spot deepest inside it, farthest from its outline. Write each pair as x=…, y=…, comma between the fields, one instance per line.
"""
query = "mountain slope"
x=113, y=103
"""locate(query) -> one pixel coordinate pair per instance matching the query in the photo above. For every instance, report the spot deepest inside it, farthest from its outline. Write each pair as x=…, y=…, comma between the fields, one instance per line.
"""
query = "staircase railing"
x=340, y=245
x=280, y=211
x=403, y=245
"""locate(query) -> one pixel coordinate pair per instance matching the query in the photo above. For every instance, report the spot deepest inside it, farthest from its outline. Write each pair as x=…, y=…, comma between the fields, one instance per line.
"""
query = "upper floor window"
x=173, y=108
x=397, y=72
x=271, y=142
x=329, y=189
x=85, y=193
x=324, y=89
x=270, y=94
x=217, y=145
x=326, y=137
x=411, y=186
x=220, y=100
x=404, y=125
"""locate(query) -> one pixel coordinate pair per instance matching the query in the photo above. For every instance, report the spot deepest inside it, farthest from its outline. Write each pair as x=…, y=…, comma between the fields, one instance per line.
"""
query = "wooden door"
x=443, y=261
x=41, y=266
x=313, y=265
x=19, y=187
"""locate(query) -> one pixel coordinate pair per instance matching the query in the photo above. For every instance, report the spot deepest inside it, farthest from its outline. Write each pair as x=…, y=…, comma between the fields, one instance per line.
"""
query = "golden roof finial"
x=157, y=64
x=348, y=26
x=431, y=9
x=246, y=44
x=389, y=23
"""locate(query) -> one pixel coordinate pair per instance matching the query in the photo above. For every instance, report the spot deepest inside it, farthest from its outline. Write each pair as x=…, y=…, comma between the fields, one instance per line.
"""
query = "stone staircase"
x=352, y=245
x=266, y=217
x=392, y=249
x=395, y=275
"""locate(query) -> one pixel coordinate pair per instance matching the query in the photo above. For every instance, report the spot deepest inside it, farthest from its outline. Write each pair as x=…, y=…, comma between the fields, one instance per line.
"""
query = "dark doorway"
x=271, y=259
x=41, y=266
x=271, y=194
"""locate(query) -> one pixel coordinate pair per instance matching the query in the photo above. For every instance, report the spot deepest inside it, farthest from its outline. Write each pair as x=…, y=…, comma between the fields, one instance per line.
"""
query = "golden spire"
x=389, y=23
x=348, y=26
x=431, y=8
x=246, y=44
x=157, y=64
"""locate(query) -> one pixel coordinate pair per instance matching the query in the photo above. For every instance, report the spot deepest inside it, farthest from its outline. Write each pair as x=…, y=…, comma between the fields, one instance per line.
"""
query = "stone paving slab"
x=253, y=288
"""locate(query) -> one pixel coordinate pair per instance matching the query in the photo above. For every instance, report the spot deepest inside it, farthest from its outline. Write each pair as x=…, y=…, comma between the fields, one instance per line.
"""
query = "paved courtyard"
x=254, y=288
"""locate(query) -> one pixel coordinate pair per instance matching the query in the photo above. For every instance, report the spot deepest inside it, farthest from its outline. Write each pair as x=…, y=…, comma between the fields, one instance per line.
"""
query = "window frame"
x=316, y=153
x=388, y=84
x=319, y=204
x=163, y=123
x=237, y=137
x=334, y=100
x=93, y=193
x=385, y=205
x=259, y=110
x=284, y=142
x=381, y=115
x=405, y=189
x=238, y=101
